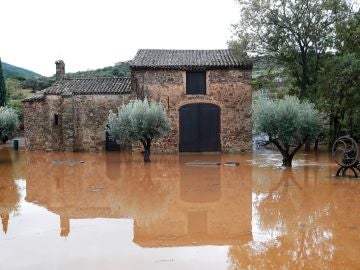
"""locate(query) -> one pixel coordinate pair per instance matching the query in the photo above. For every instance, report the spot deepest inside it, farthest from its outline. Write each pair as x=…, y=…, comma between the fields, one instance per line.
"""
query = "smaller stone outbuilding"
x=206, y=94
x=71, y=115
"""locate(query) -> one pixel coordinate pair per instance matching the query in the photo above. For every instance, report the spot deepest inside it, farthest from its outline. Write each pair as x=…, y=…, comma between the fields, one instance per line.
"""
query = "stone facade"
x=229, y=89
x=71, y=115
x=81, y=122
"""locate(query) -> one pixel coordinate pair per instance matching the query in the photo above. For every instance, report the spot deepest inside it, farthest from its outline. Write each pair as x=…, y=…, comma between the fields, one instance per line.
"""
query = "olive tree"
x=139, y=120
x=9, y=123
x=287, y=122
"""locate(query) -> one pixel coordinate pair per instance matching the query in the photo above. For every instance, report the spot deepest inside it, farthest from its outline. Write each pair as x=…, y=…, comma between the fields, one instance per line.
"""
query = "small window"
x=196, y=83
x=56, y=119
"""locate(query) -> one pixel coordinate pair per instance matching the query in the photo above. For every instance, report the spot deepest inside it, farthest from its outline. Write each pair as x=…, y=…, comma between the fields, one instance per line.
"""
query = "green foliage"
x=3, y=92
x=270, y=77
x=294, y=34
x=139, y=120
x=119, y=70
x=9, y=123
x=15, y=94
x=288, y=119
x=37, y=84
x=12, y=87
x=338, y=85
x=288, y=122
x=339, y=94
x=348, y=35
x=309, y=49
x=17, y=106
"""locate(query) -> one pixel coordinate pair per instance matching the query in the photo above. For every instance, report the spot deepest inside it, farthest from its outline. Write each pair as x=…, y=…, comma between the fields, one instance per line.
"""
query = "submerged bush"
x=9, y=123
x=288, y=122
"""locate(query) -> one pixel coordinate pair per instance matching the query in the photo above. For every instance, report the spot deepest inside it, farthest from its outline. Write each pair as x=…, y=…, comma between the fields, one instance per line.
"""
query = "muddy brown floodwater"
x=112, y=211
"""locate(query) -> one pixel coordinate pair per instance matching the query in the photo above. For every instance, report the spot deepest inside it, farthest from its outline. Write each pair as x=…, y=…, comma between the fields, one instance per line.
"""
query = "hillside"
x=11, y=71
x=119, y=70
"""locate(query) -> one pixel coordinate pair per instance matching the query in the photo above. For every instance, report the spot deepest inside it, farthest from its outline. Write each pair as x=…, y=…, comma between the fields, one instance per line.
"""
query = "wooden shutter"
x=196, y=83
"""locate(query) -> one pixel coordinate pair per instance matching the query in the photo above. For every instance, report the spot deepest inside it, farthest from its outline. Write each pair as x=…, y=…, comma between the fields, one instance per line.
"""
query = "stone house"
x=206, y=93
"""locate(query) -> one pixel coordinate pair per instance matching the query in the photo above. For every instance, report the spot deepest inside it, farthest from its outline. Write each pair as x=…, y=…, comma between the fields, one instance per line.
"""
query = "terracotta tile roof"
x=188, y=59
x=93, y=86
x=36, y=97
x=89, y=86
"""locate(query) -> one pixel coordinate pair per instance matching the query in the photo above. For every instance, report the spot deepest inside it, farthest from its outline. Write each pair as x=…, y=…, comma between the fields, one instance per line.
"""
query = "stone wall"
x=90, y=118
x=81, y=122
x=228, y=89
x=40, y=130
x=82, y=118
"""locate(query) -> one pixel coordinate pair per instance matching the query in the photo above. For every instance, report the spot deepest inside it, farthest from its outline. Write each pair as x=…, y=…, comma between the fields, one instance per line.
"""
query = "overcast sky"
x=89, y=34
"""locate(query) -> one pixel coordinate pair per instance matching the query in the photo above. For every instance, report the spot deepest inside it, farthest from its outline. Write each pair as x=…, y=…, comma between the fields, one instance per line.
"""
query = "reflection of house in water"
x=9, y=198
x=73, y=191
x=212, y=207
x=9, y=194
x=171, y=204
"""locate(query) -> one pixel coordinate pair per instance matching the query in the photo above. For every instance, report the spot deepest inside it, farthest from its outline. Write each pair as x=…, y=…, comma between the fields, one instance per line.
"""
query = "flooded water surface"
x=112, y=211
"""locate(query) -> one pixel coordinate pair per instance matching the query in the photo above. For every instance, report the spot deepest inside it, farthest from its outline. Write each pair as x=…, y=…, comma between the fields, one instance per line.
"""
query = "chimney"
x=64, y=226
x=60, y=70
x=5, y=222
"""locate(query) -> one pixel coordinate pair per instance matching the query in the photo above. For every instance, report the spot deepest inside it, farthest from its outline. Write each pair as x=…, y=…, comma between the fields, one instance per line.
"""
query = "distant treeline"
x=40, y=83
x=119, y=70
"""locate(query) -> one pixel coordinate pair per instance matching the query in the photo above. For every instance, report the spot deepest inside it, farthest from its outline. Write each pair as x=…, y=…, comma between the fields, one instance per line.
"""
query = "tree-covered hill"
x=13, y=71
x=121, y=69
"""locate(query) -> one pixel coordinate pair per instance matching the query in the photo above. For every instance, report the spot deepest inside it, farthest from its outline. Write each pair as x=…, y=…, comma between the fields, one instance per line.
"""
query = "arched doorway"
x=199, y=127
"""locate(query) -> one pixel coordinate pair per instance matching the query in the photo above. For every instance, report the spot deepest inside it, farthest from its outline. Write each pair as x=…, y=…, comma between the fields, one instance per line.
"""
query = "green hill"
x=119, y=70
x=11, y=71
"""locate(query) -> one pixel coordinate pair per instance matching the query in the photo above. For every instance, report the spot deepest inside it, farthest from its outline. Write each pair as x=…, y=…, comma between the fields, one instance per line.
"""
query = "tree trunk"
x=287, y=160
x=147, y=153
x=307, y=145
x=147, y=144
x=4, y=139
x=284, y=150
x=304, y=74
x=316, y=146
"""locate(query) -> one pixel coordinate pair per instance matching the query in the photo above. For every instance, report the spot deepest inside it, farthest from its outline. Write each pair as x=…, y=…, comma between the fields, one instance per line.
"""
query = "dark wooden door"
x=111, y=145
x=199, y=128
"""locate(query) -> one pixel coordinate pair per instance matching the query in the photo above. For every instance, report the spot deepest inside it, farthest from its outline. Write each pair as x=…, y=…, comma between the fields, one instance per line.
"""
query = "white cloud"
x=92, y=34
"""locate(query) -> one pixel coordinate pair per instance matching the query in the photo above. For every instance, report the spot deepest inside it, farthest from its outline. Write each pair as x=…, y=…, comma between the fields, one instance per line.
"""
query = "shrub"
x=139, y=120
x=288, y=122
x=9, y=123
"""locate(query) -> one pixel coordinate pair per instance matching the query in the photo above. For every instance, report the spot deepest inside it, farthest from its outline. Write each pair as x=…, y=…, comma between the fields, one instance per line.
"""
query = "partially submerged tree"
x=288, y=122
x=9, y=123
x=139, y=120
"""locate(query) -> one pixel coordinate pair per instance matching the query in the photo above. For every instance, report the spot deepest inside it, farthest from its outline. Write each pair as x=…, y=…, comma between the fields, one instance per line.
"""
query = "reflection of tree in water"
x=314, y=226
x=144, y=191
x=9, y=195
x=279, y=200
